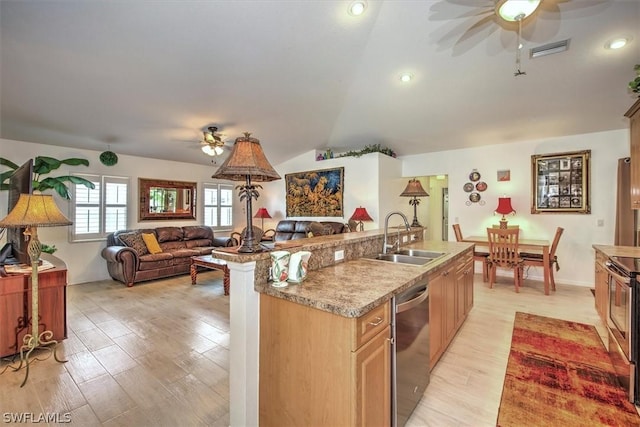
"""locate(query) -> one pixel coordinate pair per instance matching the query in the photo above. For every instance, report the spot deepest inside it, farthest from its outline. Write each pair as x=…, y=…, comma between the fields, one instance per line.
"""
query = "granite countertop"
x=353, y=288
x=626, y=251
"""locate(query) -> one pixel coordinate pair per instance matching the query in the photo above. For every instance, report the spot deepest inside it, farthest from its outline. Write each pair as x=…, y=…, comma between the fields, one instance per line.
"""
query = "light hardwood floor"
x=157, y=354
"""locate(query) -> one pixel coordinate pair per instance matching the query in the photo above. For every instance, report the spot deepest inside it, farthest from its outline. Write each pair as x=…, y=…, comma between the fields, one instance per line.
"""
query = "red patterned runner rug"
x=559, y=374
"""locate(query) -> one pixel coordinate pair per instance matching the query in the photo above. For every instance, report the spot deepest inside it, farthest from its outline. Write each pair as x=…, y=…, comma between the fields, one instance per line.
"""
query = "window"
x=218, y=206
x=99, y=211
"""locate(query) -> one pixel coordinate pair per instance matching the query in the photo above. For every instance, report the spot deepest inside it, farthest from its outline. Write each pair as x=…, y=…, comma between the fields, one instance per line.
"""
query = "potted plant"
x=634, y=84
x=43, y=165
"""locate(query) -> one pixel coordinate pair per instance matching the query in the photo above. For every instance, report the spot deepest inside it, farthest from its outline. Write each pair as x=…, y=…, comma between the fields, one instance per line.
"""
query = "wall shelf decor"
x=560, y=182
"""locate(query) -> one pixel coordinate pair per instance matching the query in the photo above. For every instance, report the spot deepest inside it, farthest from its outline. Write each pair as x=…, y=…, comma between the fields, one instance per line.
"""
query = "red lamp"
x=504, y=208
x=360, y=215
x=262, y=214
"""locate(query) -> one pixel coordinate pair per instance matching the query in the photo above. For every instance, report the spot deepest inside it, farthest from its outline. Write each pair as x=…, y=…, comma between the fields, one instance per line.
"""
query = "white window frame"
x=218, y=187
x=103, y=181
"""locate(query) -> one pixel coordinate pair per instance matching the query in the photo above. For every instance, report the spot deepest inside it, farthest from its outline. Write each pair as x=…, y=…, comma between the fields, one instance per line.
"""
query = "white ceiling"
x=146, y=77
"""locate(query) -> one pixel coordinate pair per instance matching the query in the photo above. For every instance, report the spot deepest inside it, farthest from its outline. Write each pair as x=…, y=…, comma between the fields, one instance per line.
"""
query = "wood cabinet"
x=634, y=125
x=321, y=369
x=15, y=306
x=450, y=300
x=601, y=287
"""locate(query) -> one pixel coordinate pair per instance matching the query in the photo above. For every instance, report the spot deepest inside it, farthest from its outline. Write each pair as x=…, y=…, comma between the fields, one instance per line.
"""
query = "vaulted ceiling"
x=147, y=77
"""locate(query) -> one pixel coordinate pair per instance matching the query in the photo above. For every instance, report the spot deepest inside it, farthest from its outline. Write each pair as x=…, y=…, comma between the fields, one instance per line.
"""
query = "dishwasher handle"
x=417, y=300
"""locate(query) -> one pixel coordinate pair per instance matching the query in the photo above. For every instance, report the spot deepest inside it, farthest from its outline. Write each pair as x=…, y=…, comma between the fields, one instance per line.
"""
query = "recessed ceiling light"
x=617, y=43
x=357, y=8
x=406, y=77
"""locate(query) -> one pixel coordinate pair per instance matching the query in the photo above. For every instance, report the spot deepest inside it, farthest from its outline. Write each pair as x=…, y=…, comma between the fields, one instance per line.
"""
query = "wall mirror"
x=160, y=199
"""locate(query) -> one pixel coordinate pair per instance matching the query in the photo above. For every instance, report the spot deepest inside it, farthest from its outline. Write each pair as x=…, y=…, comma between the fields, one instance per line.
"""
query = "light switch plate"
x=339, y=255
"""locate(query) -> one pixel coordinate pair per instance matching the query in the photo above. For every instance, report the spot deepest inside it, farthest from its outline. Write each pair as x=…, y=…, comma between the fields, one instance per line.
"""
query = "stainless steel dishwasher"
x=409, y=351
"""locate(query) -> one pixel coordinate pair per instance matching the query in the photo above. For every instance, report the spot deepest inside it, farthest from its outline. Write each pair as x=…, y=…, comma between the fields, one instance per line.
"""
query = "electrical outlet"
x=405, y=239
x=413, y=237
x=339, y=255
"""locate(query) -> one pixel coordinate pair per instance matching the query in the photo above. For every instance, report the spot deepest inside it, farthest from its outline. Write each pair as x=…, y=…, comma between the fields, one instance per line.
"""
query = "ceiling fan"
x=212, y=143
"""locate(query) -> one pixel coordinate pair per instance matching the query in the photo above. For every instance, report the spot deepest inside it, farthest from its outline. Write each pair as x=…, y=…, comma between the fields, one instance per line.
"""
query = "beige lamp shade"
x=35, y=210
x=414, y=189
x=246, y=158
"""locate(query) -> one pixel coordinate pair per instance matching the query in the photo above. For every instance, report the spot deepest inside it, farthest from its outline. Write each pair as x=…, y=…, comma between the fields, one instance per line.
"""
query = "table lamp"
x=33, y=211
x=246, y=162
x=414, y=190
x=504, y=208
x=262, y=214
x=360, y=215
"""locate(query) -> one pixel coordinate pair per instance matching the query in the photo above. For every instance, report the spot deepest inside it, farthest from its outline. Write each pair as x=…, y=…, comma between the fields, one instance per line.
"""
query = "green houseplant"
x=634, y=84
x=43, y=165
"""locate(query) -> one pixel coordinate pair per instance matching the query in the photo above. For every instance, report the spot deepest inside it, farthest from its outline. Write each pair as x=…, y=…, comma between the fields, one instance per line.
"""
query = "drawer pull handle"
x=377, y=321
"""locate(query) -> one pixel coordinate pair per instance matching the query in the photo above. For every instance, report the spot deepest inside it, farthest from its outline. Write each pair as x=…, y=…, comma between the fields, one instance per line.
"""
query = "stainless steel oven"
x=623, y=320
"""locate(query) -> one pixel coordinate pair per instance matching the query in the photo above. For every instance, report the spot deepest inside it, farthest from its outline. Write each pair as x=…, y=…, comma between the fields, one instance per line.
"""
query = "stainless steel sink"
x=420, y=253
x=402, y=259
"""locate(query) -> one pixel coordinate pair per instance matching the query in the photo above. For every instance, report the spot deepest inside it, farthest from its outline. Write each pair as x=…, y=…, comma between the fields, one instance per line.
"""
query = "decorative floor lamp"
x=247, y=162
x=414, y=190
x=33, y=211
x=360, y=215
x=504, y=208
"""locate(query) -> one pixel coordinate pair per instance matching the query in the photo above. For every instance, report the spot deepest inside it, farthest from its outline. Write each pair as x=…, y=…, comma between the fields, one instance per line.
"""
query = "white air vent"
x=550, y=48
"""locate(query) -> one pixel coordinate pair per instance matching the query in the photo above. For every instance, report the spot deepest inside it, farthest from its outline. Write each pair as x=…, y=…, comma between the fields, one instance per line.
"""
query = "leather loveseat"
x=292, y=229
x=130, y=261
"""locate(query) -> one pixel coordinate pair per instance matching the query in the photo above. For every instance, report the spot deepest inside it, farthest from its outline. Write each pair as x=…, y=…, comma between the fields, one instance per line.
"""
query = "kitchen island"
x=348, y=300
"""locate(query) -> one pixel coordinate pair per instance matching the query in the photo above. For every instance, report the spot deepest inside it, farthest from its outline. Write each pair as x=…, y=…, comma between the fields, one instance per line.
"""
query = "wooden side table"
x=208, y=261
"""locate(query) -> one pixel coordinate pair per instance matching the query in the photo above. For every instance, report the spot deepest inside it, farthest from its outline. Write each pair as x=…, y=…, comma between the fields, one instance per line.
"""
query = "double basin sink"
x=409, y=256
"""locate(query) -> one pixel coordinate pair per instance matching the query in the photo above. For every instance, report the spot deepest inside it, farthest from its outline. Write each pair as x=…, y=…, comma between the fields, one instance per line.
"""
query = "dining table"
x=524, y=245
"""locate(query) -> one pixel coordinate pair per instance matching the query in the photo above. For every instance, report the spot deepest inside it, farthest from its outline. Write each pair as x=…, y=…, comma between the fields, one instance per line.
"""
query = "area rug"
x=559, y=374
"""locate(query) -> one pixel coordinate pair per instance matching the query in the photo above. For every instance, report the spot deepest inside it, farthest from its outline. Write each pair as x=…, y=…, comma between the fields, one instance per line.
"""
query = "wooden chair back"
x=457, y=232
x=503, y=247
x=554, y=244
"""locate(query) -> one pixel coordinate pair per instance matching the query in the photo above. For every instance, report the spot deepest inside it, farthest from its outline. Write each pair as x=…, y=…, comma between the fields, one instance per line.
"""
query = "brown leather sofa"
x=131, y=262
x=291, y=229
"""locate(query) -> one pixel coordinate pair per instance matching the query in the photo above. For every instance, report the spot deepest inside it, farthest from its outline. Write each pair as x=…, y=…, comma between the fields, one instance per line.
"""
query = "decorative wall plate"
x=474, y=197
x=468, y=187
x=474, y=176
x=481, y=186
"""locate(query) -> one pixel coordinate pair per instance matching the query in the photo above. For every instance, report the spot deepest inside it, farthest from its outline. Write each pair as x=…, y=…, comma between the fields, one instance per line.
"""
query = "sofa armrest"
x=222, y=242
x=122, y=263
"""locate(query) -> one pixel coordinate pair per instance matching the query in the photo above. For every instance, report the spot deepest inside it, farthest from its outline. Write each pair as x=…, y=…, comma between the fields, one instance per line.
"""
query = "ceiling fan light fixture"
x=209, y=150
x=516, y=10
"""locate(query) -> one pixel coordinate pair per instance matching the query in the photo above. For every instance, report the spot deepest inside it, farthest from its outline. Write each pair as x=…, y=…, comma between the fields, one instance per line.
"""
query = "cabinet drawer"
x=370, y=324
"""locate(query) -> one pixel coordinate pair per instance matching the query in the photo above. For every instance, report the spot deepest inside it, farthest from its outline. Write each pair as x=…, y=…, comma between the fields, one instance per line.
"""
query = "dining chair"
x=503, y=253
x=477, y=255
x=535, y=259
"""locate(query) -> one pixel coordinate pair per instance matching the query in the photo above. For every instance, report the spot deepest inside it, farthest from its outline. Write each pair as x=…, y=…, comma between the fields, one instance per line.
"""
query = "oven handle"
x=615, y=275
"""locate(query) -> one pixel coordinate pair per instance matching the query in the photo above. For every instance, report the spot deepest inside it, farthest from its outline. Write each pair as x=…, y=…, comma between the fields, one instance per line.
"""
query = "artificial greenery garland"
x=635, y=83
x=373, y=148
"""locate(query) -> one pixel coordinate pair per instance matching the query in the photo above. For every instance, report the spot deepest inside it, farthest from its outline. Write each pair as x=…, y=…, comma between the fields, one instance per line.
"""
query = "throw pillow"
x=135, y=242
x=151, y=243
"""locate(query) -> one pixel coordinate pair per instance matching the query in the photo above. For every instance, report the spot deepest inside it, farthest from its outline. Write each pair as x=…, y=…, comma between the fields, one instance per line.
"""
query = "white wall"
x=83, y=259
x=574, y=252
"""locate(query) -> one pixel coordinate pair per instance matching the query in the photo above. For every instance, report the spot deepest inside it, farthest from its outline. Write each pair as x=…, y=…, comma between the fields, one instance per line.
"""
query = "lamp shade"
x=262, y=213
x=246, y=158
x=35, y=210
x=504, y=206
x=361, y=214
x=414, y=189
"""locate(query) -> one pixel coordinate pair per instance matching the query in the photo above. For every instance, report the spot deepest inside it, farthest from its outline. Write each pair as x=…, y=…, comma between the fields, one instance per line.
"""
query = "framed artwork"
x=315, y=193
x=504, y=175
x=560, y=182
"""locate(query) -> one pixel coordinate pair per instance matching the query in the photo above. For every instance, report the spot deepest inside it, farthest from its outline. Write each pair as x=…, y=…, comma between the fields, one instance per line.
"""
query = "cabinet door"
x=372, y=367
x=450, y=294
x=460, y=294
x=601, y=289
x=436, y=317
x=634, y=126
